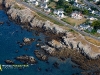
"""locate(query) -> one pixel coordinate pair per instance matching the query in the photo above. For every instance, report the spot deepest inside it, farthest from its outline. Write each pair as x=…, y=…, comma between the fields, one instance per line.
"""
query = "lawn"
x=74, y=21
x=52, y=5
x=91, y=40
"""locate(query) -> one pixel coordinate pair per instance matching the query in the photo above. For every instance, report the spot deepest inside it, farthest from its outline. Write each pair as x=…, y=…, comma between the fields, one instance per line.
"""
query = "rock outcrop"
x=9, y=62
x=28, y=40
x=26, y=59
x=40, y=55
x=1, y=1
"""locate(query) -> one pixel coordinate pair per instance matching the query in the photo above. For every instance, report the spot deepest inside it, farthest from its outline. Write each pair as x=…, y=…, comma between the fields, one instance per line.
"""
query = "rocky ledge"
x=66, y=44
x=39, y=54
x=26, y=59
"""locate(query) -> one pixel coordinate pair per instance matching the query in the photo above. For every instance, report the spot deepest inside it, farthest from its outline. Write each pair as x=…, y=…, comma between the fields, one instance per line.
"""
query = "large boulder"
x=48, y=49
x=55, y=44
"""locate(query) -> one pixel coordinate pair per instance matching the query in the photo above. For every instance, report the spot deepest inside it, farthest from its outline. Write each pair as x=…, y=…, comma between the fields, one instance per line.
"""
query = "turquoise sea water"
x=10, y=33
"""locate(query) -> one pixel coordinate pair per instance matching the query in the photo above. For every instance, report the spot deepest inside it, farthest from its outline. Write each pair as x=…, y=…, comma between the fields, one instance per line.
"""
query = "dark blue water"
x=9, y=35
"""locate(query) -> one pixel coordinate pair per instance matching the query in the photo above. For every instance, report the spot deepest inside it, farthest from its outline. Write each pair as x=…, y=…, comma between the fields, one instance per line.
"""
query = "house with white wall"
x=96, y=0
x=44, y=5
x=47, y=10
x=36, y=3
x=76, y=15
x=84, y=27
x=31, y=0
x=98, y=31
x=59, y=12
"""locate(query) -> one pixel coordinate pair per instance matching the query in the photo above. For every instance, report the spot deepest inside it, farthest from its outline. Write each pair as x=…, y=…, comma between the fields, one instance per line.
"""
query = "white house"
x=76, y=15
x=47, y=10
x=44, y=5
x=31, y=0
x=59, y=12
x=84, y=27
x=93, y=12
x=92, y=18
x=89, y=9
x=36, y=3
x=46, y=0
x=96, y=0
x=76, y=1
x=98, y=31
x=67, y=0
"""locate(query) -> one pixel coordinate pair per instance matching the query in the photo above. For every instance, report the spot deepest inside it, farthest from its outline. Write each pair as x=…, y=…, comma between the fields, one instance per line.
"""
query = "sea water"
x=10, y=33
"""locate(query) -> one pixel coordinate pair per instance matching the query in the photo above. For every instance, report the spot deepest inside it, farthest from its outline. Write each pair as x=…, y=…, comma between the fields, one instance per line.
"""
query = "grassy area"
x=51, y=20
x=52, y=5
x=16, y=6
x=91, y=40
x=74, y=21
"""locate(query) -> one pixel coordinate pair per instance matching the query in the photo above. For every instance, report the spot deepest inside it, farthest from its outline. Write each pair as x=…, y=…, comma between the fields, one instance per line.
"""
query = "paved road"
x=54, y=18
x=91, y=4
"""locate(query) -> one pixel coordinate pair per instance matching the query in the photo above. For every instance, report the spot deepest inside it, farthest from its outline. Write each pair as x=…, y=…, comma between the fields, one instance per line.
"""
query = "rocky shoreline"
x=60, y=42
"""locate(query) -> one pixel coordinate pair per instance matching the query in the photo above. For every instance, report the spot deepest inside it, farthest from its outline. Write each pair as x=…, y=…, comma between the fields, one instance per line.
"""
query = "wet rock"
x=1, y=23
x=9, y=62
x=21, y=45
x=56, y=65
x=38, y=45
x=62, y=59
x=28, y=40
x=39, y=40
x=48, y=49
x=26, y=59
x=41, y=55
x=18, y=42
x=48, y=69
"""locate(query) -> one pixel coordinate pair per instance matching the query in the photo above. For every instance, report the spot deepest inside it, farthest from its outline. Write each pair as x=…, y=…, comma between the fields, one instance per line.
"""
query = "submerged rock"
x=1, y=23
x=56, y=65
x=9, y=62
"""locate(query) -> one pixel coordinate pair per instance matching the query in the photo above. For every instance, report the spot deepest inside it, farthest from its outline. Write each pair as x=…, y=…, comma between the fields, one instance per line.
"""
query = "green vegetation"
x=25, y=0
x=85, y=12
x=47, y=18
x=68, y=8
x=98, y=3
x=96, y=24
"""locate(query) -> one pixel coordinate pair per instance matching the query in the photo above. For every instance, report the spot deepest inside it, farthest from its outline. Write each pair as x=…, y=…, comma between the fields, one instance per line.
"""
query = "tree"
x=61, y=2
x=85, y=11
x=98, y=3
x=96, y=24
x=69, y=9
